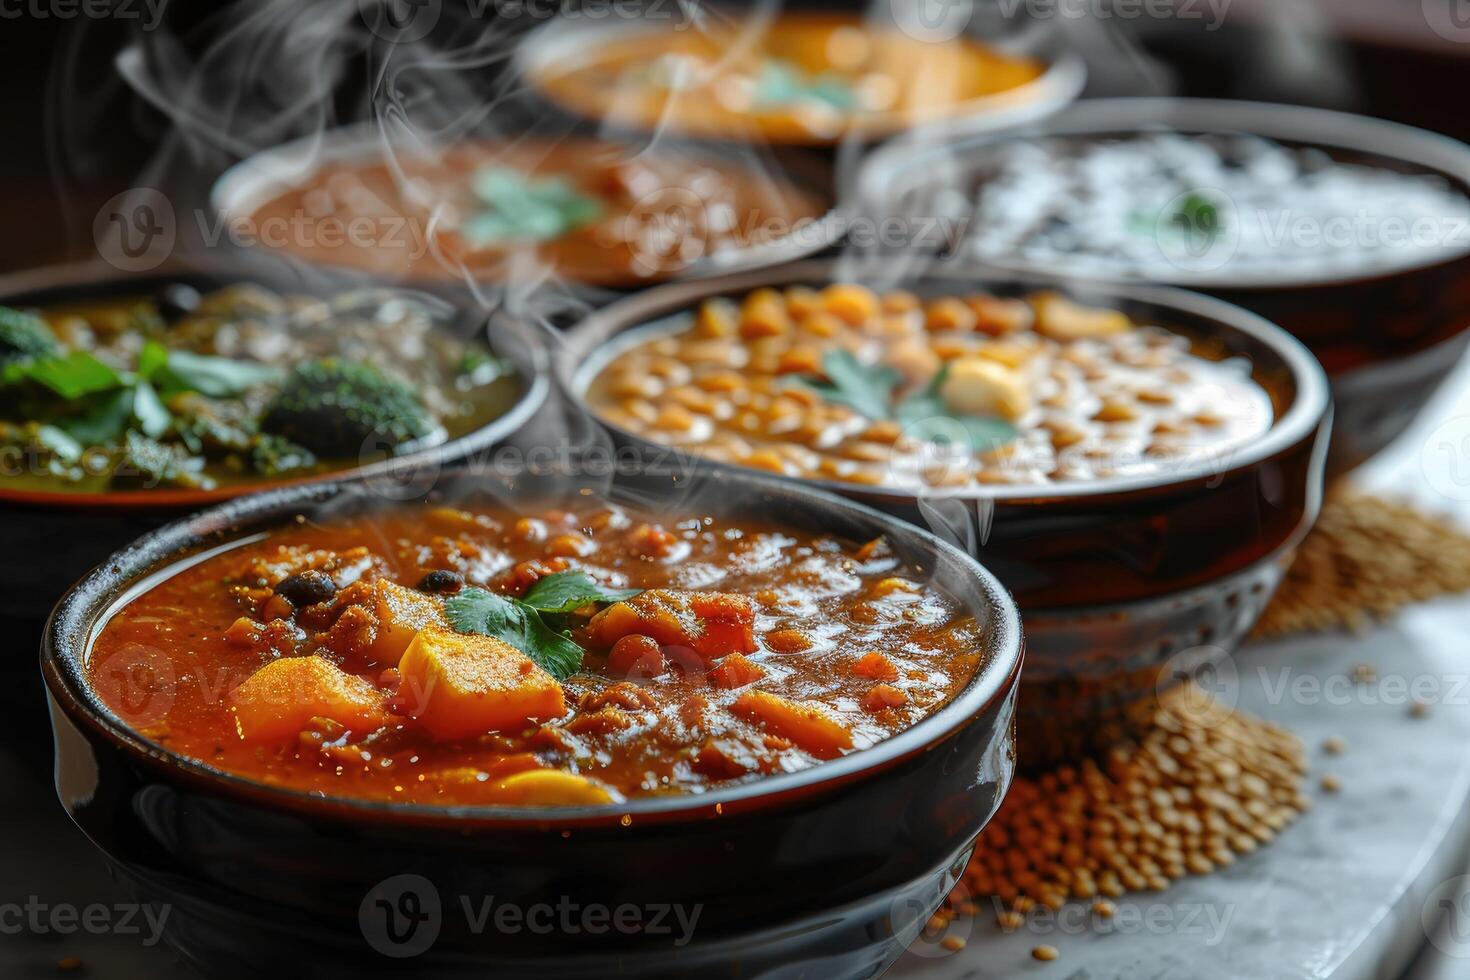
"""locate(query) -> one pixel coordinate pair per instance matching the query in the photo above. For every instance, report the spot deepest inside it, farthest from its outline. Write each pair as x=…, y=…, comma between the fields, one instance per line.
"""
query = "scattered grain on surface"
x=1198, y=789
x=1366, y=558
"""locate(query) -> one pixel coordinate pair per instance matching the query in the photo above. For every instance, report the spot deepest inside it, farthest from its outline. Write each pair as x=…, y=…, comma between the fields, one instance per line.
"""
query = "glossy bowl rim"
x=98, y=273
x=575, y=365
x=1058, y=86
x=248, y=183
x=1421, y=149
x=102, y=592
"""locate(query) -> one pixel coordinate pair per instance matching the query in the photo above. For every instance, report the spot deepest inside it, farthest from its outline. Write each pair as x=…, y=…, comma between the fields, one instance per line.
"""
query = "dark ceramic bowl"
x=823, y=872
x=1125, y=585
x=64, y=534
x=1388, y=337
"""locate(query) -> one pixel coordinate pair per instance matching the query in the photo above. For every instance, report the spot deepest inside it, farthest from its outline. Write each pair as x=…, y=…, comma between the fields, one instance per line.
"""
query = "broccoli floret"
x=24, y=335
x=333, y=407
x=274, y=456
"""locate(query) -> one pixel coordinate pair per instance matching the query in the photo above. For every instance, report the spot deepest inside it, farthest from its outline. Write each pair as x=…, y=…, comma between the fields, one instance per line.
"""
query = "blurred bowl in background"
x=1387, y=322
x=803, y=78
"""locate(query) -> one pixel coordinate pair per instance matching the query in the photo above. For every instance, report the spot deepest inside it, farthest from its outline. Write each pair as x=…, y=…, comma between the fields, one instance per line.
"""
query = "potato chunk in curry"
x=458, y=686
x=283, y=697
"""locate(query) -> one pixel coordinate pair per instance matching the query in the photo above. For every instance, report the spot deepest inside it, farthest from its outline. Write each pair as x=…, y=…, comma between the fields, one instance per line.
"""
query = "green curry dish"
x=24, y=336
x=336, y=408
x=145, y=464
x=518, y=208
x=221, y=430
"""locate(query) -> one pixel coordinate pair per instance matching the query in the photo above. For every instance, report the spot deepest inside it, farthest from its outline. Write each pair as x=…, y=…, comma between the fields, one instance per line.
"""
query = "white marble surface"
x=1358, y=888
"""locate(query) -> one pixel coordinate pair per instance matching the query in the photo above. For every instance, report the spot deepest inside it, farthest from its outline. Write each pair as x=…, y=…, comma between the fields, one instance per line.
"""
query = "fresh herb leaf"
x=516, y=623
x=104, y=420
x=864, y=388
x=215, y=377
x=151, y=358
x=566, y=591
x=868, y=390
x=72, y=376
x=524, y=208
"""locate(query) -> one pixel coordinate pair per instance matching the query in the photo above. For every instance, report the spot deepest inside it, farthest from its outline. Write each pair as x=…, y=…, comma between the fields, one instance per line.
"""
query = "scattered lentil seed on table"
x=1200, y=788
x=1366, y=558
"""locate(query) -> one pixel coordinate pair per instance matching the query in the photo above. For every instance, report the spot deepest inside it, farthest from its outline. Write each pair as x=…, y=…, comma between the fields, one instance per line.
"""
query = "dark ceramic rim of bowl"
x=73, y=625
x=98, y=275
x=1432, y=153
x=594, y=341
x=1059, y=84
x=247, y=184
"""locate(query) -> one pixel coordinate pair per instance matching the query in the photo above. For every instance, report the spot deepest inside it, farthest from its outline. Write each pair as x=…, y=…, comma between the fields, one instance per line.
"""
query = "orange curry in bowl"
x=846, y=385
x=592, y=211
x=799, y=79
x=485, y=656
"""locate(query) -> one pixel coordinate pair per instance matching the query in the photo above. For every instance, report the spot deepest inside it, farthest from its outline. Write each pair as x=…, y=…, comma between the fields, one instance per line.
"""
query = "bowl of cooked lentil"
x=1350, y=232
x=1135, y=464
x=283, y=715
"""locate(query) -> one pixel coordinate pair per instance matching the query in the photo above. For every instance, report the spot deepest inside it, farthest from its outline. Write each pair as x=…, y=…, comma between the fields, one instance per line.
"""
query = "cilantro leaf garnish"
x=521, y=622
x=865, y=388
x=565, y=592
x=869, y=390
x=213, y=377
x=516, y=623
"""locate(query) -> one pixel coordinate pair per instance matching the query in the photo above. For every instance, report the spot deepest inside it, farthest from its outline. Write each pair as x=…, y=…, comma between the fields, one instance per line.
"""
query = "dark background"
x=75, y=133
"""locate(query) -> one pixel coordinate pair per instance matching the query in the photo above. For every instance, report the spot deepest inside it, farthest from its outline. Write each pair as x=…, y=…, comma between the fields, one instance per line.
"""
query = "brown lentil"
x=1045, y=953
x=1366, y=558
x=1193, y=791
